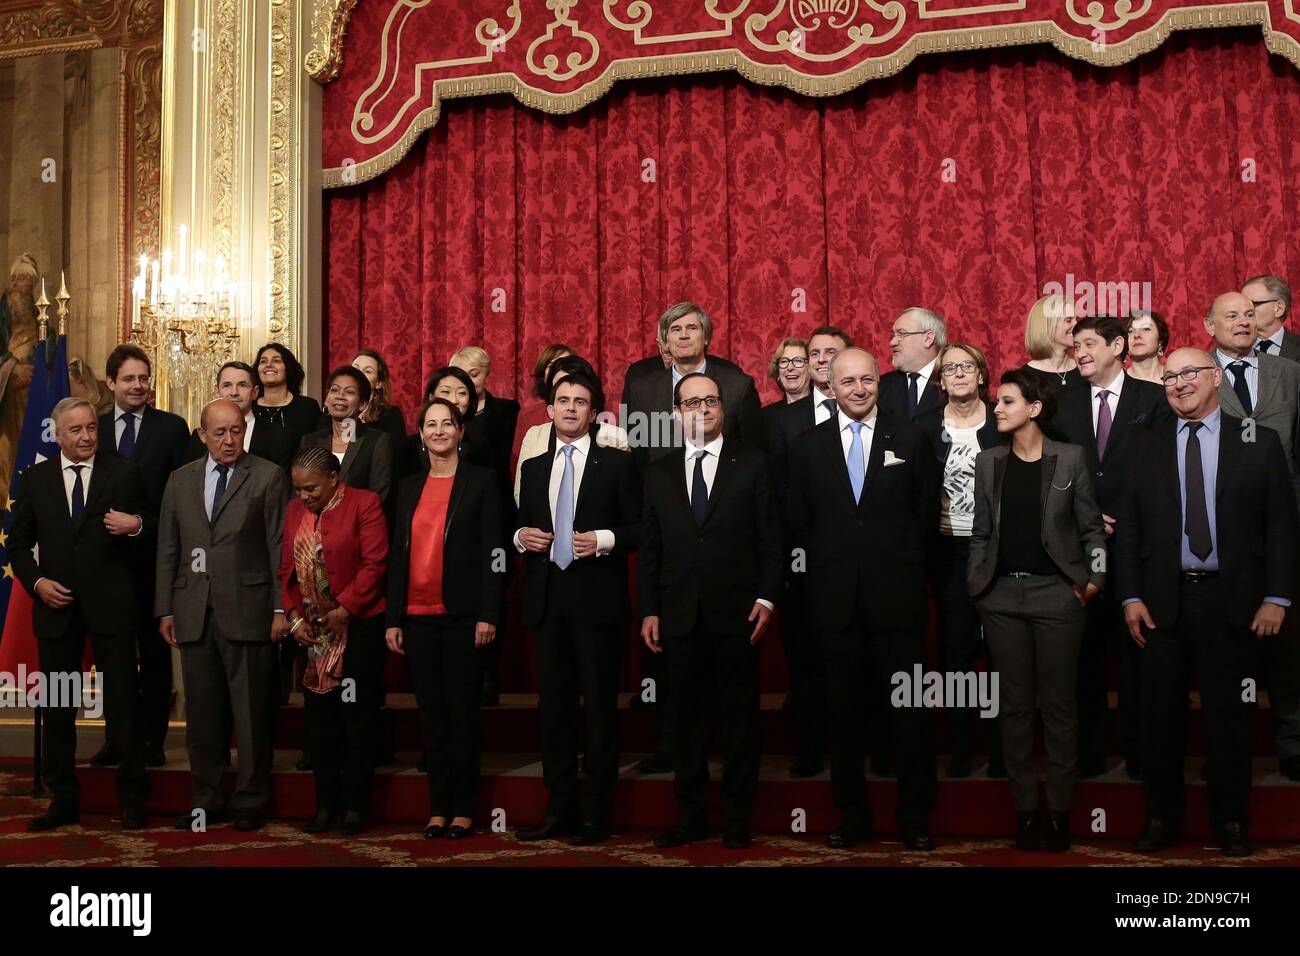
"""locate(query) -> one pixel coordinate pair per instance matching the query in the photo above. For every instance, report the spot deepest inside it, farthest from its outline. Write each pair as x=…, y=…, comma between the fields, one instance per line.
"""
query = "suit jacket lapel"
x=876, y=457
x=350, y=455
x=232, y=485
x=144, y=436
x=1228, y=397
x=999, y=475
x=721, y=478
x=589, y=474
x=841, y=467
x=1049, y=472
x=457, y=494
x=97, y=490
x=1228, y=452
x=1123, y=414
x=1268, y=382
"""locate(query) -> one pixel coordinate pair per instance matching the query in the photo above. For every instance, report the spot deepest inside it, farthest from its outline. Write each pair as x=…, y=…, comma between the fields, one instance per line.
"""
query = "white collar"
x=65, y=462
x=869, y=421
x=928, y=369
x=713, y=448
x=119, y=411
x=1114, y=387
x=1250, y=358
x=581, y=445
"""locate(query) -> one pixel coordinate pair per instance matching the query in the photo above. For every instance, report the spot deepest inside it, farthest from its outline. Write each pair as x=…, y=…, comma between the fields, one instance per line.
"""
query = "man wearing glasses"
x=1204, y=575
x=1271, y=297
x=709, y=569
x=911, y=392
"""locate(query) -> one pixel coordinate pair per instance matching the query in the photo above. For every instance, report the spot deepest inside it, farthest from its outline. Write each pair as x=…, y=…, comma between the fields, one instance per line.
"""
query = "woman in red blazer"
x=332, y=568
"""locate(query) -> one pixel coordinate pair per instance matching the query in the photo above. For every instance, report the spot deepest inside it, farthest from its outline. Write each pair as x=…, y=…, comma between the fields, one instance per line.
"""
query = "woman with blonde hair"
x=1049, y=332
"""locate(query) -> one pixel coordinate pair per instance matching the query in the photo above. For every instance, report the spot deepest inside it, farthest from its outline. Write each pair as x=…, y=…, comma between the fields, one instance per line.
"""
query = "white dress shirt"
x=868, y=433
x=709, y=463
x=1275, y=338
x=537, y=438
x=119, y=424
x=581, y=449
x=70, y=478
x=1112, y=400
x=678, y=376
x=820, y=412
x=249, y=421
x=924, y=379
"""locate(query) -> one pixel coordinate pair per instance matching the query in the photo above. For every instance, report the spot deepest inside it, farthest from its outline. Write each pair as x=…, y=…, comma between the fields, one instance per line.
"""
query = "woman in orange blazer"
x=332, y=568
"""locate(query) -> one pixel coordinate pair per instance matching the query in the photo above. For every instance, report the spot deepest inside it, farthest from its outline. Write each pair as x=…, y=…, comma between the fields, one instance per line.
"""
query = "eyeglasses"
x=1187, y=375
x=791, y=362
x=903, y=333
x=1258, y=302
x=712, y=401
x=952, y=368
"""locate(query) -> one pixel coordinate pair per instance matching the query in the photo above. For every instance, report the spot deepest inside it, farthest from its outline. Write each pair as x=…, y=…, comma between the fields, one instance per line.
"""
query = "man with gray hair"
x=1271, y=297
x=911, y=392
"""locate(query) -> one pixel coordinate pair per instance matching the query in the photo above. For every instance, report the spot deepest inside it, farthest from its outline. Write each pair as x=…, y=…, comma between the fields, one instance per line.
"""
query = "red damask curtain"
x=511, y=228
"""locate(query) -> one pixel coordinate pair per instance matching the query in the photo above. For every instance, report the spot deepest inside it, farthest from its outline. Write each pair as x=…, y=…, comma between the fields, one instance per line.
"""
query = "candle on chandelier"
x=153, y=291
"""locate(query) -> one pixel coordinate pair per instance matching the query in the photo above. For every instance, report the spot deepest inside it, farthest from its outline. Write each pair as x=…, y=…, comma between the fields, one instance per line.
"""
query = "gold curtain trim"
x=943, y=41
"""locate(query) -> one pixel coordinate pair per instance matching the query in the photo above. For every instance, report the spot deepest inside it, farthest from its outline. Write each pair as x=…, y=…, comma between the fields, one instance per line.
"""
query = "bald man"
x=219, y=538
x=1204, y=561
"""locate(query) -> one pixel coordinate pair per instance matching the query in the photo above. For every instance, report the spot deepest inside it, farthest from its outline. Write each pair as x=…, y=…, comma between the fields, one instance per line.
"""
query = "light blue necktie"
x=857, y=473
x=562, y=550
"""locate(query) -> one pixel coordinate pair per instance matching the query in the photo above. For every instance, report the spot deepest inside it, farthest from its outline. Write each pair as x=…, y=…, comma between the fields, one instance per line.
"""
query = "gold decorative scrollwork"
x=1124, y=13
x=859, y=35
x=642, y=13
x=575, y=62
x=329, y=21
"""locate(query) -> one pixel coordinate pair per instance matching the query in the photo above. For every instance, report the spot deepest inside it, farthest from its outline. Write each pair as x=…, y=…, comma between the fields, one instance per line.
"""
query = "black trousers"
x=1224, y=656
x=1107, y=635
x=115, y=662
x=806, y=673
x=855, y=659
x=342, y=723
x=710, y=667
x=577, y=657
x=447, y=671
x=961, y=641
x=155, y=681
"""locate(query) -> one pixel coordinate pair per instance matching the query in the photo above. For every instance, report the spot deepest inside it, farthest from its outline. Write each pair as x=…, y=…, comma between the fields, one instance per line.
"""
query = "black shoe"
x=304, y=762
x=1289, y=767
x=1058, y=833
x=422, y=765
x=52, y=819
x=736, y=838
x=320, y=822
x=589, y=834
x=106, y=757
x=682, y=834
x=133, y=818
x=884, y=769
x=806, y=767
x=458, y=832
x=1028, y=835
x=959, y=769
x=1232, y=840
x=186, y=820
x=551, y=828
x=351, y=823
x=918, y=839
x=435, y=831
x=249, y=820
x=154, y=757
x=658, y=763
x=491, y=694
x=996, y=770
x=1091, y=768
x=1133, y=769
x=1156, y=835
x=849, y=835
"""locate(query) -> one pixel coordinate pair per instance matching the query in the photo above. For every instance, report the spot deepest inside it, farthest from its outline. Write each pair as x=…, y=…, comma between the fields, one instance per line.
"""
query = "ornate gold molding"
x=329, y=21
x=286, y=174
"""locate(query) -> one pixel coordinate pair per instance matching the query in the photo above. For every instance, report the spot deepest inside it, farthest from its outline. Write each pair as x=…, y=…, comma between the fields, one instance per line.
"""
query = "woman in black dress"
x=280, y=402
x=1049, y=338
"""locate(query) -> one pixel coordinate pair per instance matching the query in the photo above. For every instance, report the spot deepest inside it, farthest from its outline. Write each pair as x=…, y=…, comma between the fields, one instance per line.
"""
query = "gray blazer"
x=229, y=565
x=1277, y=404
x=1074, y=535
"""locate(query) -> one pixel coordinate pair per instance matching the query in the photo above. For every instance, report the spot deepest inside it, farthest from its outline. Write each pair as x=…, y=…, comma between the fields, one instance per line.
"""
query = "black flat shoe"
x=458, y=832
x=133, y=818
x=996, y=770
x=1058, y=833
x=1088, y=769
x=52, y=820
x=303, y=764
x=657, y=763
x=551, y=828
x=1232, y=840
x=848, y=836
x=737, y=838
x=155, y=758
x=435, y=831
x=590, y=834
x=959, y=770
x=106, y=756
x=351, y=823
x=186, y=820
x=1028, y=834
x=681, y=835
x=918, y=839
x=320, y=822
x=246, y=821
x=1156, y=835
x=806, y=767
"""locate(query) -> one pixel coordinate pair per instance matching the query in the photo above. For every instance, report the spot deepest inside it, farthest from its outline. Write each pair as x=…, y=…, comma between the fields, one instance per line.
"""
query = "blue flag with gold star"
x=36, y=443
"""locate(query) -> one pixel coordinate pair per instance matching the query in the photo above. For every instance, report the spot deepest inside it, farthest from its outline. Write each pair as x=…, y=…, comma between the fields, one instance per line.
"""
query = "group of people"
x=1109, y=500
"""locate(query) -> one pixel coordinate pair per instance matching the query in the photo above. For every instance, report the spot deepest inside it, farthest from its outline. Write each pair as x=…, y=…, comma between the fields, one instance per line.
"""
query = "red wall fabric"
x=1125, y=174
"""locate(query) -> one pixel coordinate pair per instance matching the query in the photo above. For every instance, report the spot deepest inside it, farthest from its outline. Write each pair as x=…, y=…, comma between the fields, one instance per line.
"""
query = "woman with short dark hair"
x=280, y=402
x=362, y=450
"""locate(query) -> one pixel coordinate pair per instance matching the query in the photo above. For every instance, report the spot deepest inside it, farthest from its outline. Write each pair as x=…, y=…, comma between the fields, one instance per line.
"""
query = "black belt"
x=1197, y=577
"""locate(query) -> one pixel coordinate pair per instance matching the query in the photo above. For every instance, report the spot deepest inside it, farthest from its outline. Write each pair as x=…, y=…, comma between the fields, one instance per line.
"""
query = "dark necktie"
x=78, y=493
x=830, y=405
x=1104, y=422
x=1198, y=517
x=222, y=472
x=1240, y=386
x=913, y=398
x=126, y=445
x=699, y=490
x=1263, y=345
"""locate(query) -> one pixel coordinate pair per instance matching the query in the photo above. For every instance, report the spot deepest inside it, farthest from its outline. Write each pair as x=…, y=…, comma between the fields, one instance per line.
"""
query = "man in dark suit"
x=85, y=513
x=709, y=567
x=237, y=382
x=219, y=539
x=1204, y=553
x=654, y=431
x=1271, y=297
x=863, y=498
x=804, y=665
x=1109, y=415
x=155, y=441
x=911, y=391
x=579, y=517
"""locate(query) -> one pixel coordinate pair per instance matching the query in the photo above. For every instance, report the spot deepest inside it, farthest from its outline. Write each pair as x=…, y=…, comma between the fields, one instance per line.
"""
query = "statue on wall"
x=18, y=336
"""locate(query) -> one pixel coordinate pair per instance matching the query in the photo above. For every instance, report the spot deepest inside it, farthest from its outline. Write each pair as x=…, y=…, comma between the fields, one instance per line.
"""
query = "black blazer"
x=270, y=442
x=785, y=422
x=930, y=403
x=988, y=436
x=1255, y=519
x=160, y=447
x=712, y=572
x=494, y=426
x=609, y=498
x=97, y=567
x=875, y=546
x=473, y=561
x=651, y=392
x=368, y=462
x=1142, y=406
